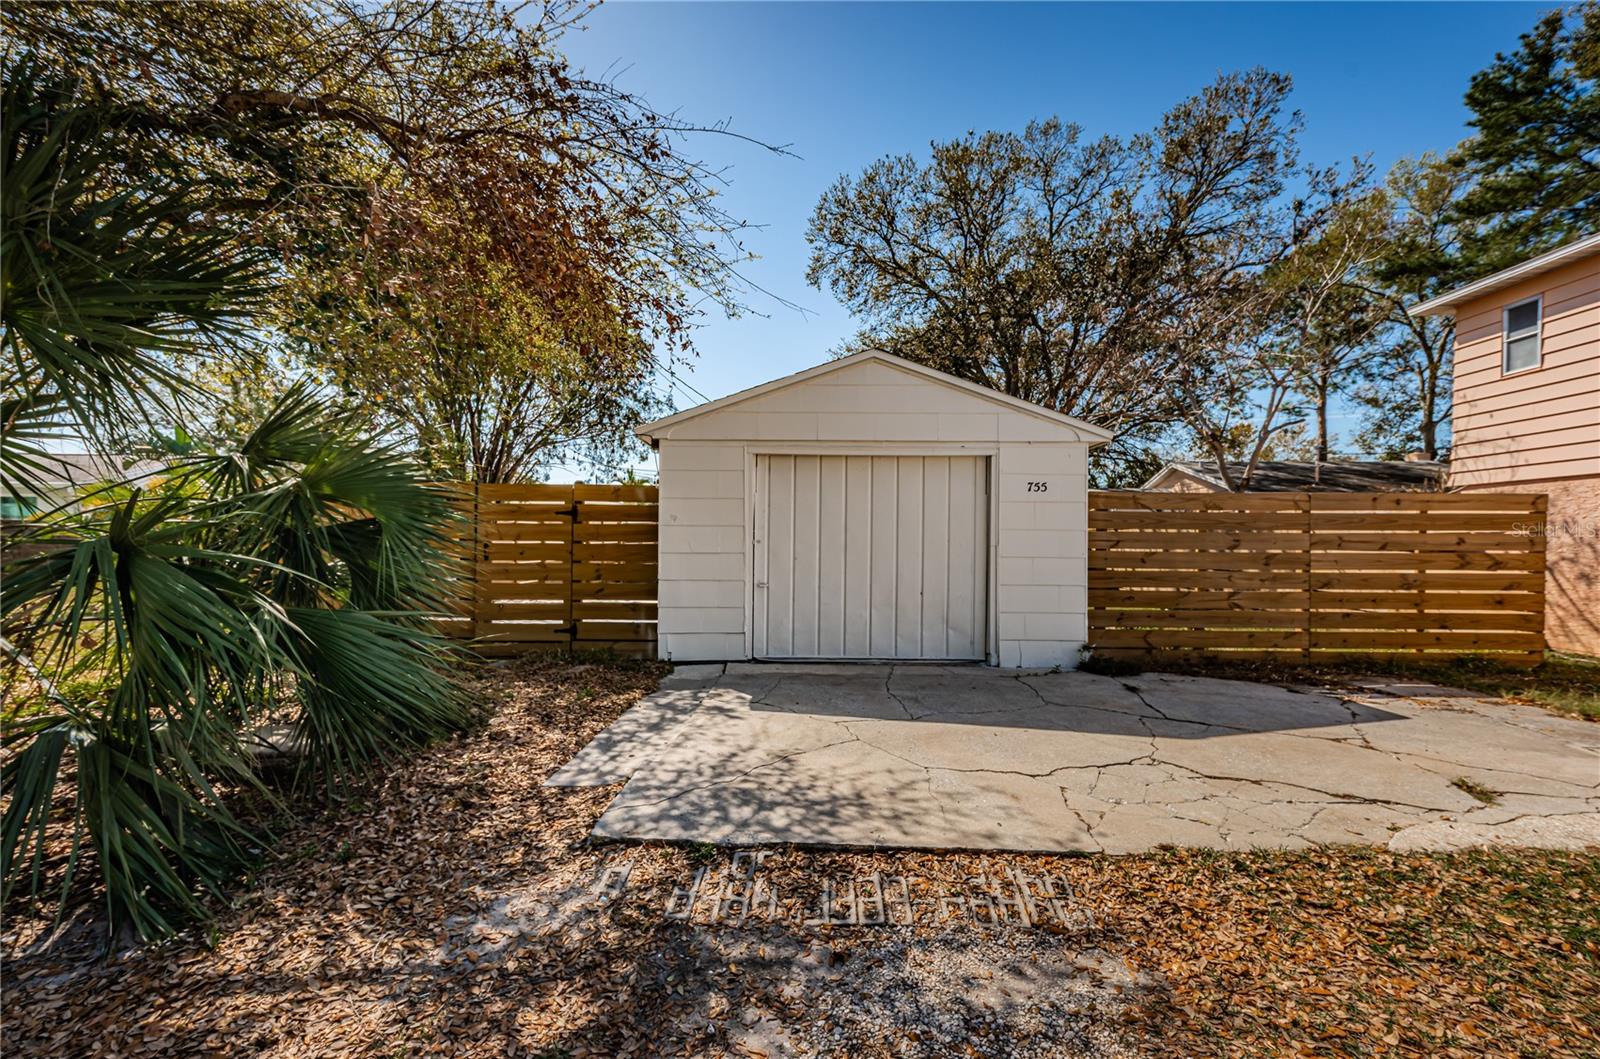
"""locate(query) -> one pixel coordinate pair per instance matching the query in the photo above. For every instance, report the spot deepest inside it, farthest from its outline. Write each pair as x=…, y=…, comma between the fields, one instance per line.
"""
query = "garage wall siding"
x=1039, y=543
x=1042, y=570
x=702, y=552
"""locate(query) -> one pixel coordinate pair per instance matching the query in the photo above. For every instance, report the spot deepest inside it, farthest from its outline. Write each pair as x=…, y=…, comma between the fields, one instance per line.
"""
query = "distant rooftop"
x=1282, y=476
x=75, y=470
x=1561, y=255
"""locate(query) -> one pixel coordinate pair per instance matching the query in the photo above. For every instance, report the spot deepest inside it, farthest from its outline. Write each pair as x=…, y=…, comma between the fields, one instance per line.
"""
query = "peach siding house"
x=1526, y=414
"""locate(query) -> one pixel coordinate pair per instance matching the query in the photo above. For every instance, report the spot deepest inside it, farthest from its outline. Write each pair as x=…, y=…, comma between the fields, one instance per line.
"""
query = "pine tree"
x=1535, y=155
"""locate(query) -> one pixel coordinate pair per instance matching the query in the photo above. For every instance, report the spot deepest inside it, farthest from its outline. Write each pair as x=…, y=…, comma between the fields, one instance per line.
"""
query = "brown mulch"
x=443, y=912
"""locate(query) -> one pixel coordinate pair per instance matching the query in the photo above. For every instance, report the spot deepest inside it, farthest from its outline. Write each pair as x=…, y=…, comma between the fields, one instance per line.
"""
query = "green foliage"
x=1405, y=390
x=290, y=575
x=484, y=249
x=493, y=390
x=77, y=338
x=1534, y=156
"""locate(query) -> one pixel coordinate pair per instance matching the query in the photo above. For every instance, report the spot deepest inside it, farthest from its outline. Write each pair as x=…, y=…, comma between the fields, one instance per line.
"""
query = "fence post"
x=1310, y=625
x=572, y=571
x=480, y=555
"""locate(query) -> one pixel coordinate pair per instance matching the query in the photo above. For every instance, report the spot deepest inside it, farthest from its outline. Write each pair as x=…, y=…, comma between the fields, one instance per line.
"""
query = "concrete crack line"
x=1417, y=760
x=1138, y=694
x=994, y=772
x=1579, y=797
x=1141, y=759
x=888, y=679
x=1088, y=828
x=944, y=814
x=1337, y=795
x=760, y=698
x=1069, y=705
x=1494, y=716
x=1485, y=810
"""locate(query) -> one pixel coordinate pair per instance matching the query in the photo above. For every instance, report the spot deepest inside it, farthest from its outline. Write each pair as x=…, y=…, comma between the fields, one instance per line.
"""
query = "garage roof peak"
x=1096, y=435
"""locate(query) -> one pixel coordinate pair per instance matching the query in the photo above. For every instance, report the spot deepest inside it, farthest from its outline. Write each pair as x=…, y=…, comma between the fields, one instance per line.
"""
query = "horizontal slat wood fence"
x=1312, y=576
x=557, y=567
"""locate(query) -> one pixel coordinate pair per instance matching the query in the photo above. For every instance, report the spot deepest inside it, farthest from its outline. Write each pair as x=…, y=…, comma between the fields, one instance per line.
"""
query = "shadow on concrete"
x=934, y=757
x=1165, y=705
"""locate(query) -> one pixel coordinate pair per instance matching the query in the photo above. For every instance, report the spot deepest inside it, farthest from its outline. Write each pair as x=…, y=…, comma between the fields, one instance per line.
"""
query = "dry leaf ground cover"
x=457, y=907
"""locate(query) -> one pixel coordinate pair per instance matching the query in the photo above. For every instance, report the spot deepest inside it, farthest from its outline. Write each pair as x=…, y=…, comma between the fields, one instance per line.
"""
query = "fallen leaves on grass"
x=448, y=911
x=1353, y=950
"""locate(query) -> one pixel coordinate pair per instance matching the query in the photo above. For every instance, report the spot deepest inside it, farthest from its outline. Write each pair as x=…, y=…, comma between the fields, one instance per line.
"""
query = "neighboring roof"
x=1342, y=476
x=1447, y=303
x=1100, y=434
x=76, y=470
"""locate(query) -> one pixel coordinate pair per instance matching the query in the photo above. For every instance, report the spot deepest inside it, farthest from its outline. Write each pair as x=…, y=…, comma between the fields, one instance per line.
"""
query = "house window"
x=1522, y=337
x=15, y=506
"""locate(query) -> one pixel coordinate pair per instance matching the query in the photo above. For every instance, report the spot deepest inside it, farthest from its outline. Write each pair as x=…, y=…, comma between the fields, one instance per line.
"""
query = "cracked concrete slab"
x=951, y=757
x=612, y=756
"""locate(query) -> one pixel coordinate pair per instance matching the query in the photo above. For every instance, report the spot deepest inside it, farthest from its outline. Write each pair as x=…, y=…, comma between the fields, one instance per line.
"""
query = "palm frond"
x=295, y=571
x=105, y=280
x=370, y=689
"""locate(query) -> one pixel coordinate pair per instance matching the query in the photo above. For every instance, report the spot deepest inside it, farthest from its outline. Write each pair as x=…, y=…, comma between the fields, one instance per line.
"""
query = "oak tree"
x=1090, y=276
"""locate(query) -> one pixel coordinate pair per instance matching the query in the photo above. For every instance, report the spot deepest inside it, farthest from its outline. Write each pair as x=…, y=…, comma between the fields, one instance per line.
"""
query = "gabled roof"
x=1447, y=302
x=1100, y=435
x=1334, y=476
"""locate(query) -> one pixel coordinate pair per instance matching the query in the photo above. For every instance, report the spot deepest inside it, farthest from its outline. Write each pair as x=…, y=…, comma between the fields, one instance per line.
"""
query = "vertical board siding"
x=858, y=556
x=909, y=526
x=1304, y=576
x=555, y=567
x=883, y=488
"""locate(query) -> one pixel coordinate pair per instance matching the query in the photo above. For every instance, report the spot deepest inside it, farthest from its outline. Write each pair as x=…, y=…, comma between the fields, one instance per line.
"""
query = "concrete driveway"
x=948, y=757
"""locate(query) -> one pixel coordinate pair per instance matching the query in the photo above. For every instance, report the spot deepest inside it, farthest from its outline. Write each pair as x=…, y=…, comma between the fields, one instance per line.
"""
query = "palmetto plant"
x=290, y=574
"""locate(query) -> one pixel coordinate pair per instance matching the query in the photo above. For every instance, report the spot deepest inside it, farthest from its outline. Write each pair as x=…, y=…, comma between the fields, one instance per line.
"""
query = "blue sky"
x=844, y=84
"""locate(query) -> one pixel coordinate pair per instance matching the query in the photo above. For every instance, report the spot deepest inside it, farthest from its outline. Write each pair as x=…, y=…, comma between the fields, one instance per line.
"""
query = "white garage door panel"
x=871, y=557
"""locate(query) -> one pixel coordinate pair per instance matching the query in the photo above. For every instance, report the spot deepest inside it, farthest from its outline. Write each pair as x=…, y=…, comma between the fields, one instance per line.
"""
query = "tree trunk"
x=1322, y=420
x=1429, y=427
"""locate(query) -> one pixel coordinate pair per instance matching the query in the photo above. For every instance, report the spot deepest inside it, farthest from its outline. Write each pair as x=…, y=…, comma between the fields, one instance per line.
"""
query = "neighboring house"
x=1526, y=415
x=1295, y=476
x=64, y=477
x=872, y=508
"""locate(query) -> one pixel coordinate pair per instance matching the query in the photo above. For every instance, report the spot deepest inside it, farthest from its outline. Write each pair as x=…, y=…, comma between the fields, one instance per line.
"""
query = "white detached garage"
x=872, y=508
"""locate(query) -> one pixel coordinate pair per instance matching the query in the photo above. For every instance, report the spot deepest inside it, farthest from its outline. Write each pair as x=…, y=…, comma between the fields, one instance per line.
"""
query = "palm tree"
x=293, y=573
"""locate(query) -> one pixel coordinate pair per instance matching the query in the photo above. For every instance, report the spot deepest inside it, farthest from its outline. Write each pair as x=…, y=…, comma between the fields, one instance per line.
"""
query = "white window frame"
x=1506, y=336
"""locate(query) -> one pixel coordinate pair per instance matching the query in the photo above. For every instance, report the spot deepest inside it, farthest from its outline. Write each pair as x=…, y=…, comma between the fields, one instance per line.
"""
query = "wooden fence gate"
x=558, y=567
x=1307, y=576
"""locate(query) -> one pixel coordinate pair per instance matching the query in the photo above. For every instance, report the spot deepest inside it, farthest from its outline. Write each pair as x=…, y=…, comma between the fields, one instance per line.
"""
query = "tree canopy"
x=1087, y=276
x=1199, y=289
x=1534, y=155
x=390, y=157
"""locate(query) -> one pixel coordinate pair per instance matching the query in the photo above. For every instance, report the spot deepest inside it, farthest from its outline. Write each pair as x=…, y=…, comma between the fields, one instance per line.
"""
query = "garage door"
x=871, y=557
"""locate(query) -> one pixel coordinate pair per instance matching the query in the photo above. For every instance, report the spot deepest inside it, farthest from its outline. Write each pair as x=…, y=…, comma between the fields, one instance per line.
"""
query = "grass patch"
x=1476, y=789
x=1564, y=683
